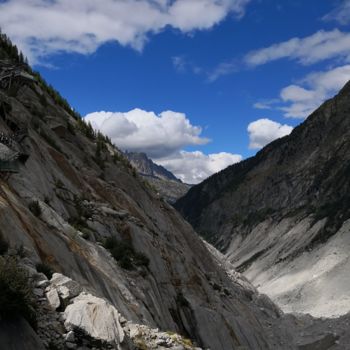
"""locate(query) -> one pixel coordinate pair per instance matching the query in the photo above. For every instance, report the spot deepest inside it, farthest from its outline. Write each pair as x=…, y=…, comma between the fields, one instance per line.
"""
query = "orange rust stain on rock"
x=27, y=227
x=66, y=168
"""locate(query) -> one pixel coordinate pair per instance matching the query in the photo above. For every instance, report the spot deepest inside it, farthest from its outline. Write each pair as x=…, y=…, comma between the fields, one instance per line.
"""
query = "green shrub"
x=125, y=262
x=45, y=269
x=71, y=128
x=181, y=300
x=86, y=129
x=35, y=208
x=124, y=253
x=16, y=296
x=86, y=234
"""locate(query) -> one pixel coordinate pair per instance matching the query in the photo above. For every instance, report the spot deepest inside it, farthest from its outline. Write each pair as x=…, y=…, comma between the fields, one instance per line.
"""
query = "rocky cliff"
x=282, y=217
x=70, y=203
x=162, y=180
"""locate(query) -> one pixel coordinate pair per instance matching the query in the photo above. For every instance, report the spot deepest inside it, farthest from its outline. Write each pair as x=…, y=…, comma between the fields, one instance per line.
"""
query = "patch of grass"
x=35, y=208
x=187, y=342
x=140, y=344
x=16, y=297
x=45, y=269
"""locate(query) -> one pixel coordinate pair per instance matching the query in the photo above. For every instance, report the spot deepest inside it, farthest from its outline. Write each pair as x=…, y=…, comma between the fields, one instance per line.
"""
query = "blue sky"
x=232, y=74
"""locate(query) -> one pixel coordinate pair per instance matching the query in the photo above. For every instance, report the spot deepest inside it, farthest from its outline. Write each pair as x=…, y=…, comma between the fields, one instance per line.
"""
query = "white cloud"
x=182, y=64
x=162, y=137
x=44, y=27
x=299, y=100
x=194, y=167
x=312, y=91
x=138, y=130
x=263, y=131
x=341, y=13
x=179, y=63
x=261, y=105
x=266, y=103
x=223, y=69
x=320, y=46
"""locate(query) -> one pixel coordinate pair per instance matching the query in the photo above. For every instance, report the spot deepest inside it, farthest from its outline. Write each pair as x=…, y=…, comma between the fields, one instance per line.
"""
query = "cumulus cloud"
x=44, y=27
x=263, y=131
x=138, y=130
x=162, y=137
x=320, y=46
x=299, y=100
x=194, y=167
x=312, y=91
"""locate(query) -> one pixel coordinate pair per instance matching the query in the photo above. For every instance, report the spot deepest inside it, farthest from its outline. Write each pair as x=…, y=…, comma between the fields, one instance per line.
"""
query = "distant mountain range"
x=145, y=166
x=165, y=182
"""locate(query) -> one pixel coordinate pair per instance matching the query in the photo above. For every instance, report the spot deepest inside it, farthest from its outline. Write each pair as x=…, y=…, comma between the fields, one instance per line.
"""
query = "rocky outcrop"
x=94, y=316
x=84, y=320
x=280, y=217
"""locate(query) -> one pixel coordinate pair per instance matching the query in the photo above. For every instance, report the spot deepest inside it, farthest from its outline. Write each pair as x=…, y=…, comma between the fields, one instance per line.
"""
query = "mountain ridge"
x=301, y=179
x=164, y=182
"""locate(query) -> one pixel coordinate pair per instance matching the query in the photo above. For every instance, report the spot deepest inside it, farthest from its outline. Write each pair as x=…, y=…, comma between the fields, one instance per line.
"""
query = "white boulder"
x=53, y=299
x=96, y=317
x=65, y=286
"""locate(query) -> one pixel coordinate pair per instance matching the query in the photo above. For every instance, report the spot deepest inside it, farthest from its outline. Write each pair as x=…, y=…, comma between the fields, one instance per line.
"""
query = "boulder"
x=65, y=286
x=96, y=317
x=53, y=299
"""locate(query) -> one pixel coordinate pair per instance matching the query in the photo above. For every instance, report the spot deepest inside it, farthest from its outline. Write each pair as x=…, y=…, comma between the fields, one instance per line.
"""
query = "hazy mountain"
x=164, y=182
x=145, y=166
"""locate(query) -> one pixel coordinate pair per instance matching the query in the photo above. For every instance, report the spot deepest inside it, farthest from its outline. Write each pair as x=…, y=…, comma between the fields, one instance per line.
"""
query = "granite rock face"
x=284, y=212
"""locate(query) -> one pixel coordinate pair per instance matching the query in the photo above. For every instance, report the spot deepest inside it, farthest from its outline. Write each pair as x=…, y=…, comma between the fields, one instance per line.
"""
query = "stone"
x=70, y=345
x=42, y=283
x=96, y=317
x=53, y=299
x=69, y=337
x=66, y=287
x=38, y=292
